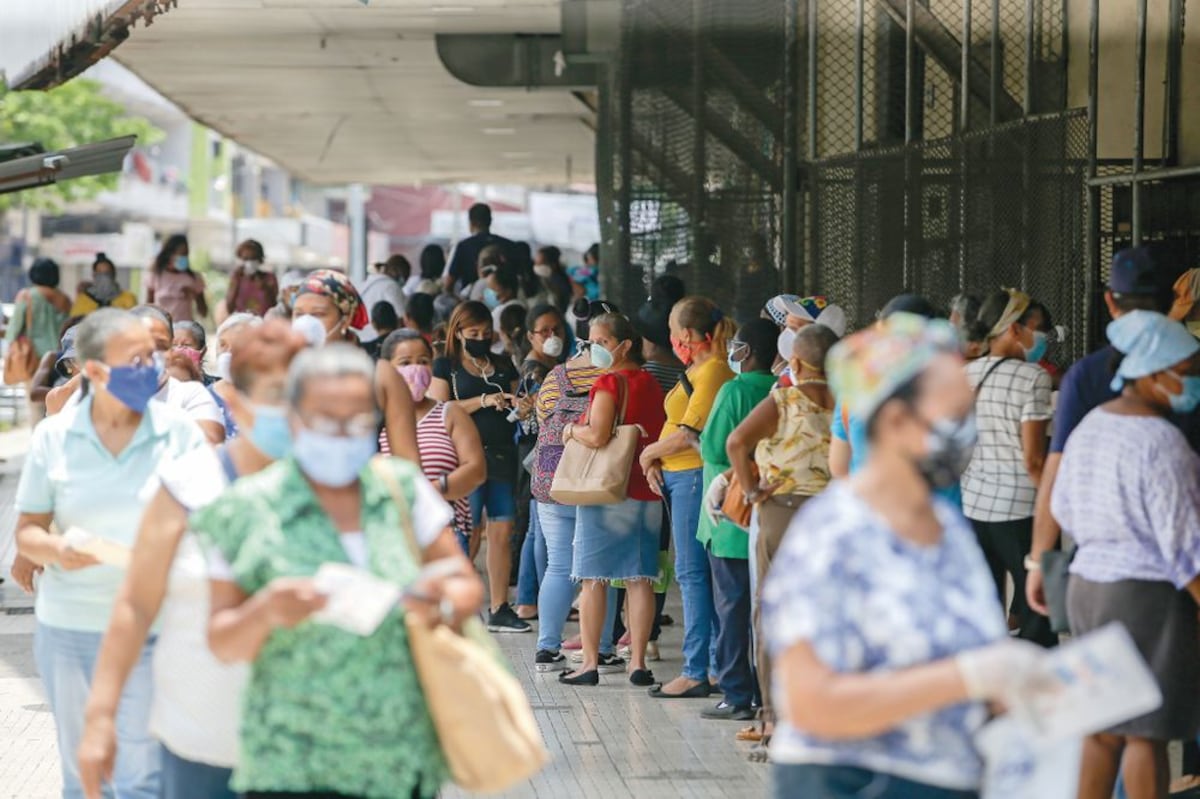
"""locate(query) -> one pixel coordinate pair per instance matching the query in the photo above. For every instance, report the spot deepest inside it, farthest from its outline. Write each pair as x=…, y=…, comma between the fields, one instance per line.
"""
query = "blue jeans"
x=731, y=598
x=186, y=779
x=533, y=560
x=557, y=525
x=691, y=572
x=65, y=660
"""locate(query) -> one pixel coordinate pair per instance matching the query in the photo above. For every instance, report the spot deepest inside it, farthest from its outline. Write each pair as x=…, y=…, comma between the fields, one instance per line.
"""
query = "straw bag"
x=483, y=720
x=599, y=476
x=20, y=361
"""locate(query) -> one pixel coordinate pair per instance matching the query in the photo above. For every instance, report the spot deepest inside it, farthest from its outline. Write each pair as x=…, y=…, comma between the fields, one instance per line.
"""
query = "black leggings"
x=1004, y=544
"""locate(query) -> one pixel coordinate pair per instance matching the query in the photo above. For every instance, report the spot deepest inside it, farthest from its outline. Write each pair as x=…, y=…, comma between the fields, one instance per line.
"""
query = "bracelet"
x=444, y=483
x=482, y=401
x=1032, y=565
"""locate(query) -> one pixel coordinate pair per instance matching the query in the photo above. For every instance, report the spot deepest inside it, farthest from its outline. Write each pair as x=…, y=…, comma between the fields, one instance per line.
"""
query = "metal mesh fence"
x=994, y=208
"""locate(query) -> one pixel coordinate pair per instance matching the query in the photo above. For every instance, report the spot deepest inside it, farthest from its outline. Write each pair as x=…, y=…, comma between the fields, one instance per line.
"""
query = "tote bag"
x=20, y=361
x=599, y=476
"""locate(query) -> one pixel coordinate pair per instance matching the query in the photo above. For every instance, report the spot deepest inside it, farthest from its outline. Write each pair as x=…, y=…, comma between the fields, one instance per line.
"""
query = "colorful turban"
x=337, y=287
x=867, y=368
x=813, y=309
x=1150, y=343
x=1187, y=291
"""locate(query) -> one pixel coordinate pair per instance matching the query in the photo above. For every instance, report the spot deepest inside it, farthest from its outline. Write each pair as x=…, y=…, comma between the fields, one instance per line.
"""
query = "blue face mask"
x=490, y=298
x=1187, y=400
x=333, y=461
x=270, y=434
x=180, y=263
x=1038, y=350
x=601, y=358
x=134, y=386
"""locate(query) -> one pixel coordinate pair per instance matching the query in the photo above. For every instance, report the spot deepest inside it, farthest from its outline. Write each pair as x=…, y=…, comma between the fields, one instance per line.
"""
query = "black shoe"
x=642, y=678
x=610, y=664
x=727, y=712
x=505, y=620
x=665, y=620
x=547, y=661
x=586, y=678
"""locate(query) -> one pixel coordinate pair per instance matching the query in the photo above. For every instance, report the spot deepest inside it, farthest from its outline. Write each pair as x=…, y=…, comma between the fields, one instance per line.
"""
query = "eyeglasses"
x=546, y=332
x=157, y=360
x=364, y=424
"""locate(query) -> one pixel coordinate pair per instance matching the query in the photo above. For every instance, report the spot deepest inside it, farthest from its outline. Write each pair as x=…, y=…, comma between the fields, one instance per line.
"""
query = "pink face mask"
x=196, y=356
x=418, y=376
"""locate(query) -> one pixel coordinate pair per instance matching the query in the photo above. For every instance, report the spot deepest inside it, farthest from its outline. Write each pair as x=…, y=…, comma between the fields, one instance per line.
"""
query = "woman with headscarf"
x=880, y=615
x=330, y=302
x=1128, y=493
x=103, y=291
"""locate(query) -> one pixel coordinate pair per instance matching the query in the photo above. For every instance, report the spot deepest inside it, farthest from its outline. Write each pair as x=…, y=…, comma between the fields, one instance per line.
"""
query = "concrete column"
x=356, y=211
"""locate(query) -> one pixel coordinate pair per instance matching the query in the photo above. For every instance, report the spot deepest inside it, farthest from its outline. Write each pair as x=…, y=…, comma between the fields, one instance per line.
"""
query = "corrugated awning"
x=45, y=169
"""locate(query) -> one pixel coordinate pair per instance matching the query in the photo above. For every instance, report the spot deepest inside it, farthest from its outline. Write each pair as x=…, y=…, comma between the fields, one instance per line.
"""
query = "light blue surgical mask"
x=490, y=298
x=270, y=433
x=1038, y=351
x=330, y=460
x=601, y=358
x=1188, y=399
x=180, y=263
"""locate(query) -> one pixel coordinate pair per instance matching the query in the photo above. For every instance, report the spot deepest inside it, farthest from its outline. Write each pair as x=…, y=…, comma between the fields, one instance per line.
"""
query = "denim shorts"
x=497, y=498
x=617, y=542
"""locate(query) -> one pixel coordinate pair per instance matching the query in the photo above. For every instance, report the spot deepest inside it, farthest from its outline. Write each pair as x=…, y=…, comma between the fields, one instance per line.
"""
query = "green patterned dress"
x=325, y=710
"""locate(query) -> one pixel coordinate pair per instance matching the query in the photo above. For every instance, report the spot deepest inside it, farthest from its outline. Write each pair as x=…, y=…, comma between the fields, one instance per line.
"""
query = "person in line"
x=654, y=322
x=787, y=437
x=585, y=278
x=751, y=356
x=433, y=265
x=700, y=333
x=86, y=471
x=349, y=707
x=196, y=698
x=964, y=309
x=500, y=293
x=462, y=270
x=1134, y=285
x=172, y=283
x=385, y=322
x=190, y=396
x=554, y=282
x=228, y=335
x=330, y=297
x=58, y=366
x=103, y=291
x=253, y=288
x=879, y=558
x=1013, y=410
x=383, y=285
x=1128, y=493
x=512, y=339
x=40, y=310
x=451, y=453
x=289, y=284
x=482, y=385
x=191, y=341
x=617, y=541
x=419, y=315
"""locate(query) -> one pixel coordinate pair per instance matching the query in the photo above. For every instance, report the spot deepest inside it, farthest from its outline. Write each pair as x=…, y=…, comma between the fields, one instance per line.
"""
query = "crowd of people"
x=843, y=514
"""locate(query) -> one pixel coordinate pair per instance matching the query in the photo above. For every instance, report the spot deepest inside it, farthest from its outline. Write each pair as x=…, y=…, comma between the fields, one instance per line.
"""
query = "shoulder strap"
x=988, y=374
x=231, y=472
x=688, y=388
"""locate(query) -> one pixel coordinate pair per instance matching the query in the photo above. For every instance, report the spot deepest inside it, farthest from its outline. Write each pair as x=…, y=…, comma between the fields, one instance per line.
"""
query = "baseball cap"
x=66, y=347
x=1134, y=271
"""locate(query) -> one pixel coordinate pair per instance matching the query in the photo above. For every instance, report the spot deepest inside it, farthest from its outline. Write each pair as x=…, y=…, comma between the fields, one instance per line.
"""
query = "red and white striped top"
x=438, y=457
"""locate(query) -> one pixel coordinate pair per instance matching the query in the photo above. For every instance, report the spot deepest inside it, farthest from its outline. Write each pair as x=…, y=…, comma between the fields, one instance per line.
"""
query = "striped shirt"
x=666, y=374
x=438, y=457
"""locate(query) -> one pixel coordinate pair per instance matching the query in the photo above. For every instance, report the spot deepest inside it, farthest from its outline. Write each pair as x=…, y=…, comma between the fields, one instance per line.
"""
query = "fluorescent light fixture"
x=453, y=9
x=485, y=103
x=499, y=131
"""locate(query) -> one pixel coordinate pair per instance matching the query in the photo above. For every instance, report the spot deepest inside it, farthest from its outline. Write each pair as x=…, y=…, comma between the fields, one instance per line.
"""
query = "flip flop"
x=751, y=733
x=701, y=691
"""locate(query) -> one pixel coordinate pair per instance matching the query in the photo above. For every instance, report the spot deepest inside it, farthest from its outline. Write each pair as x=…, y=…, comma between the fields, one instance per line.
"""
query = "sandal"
x=753, y=734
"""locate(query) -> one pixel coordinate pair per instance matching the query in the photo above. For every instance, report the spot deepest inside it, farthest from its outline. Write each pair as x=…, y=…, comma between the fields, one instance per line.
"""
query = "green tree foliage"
x=70, y=115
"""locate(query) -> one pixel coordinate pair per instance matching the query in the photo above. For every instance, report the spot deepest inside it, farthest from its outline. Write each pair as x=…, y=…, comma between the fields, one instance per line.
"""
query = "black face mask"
x=950, y=445
x=477, y=347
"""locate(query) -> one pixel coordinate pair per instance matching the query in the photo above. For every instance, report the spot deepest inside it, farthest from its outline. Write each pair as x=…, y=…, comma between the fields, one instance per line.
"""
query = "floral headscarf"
x=337, y=287
x=867, y=368
x=1187, y=292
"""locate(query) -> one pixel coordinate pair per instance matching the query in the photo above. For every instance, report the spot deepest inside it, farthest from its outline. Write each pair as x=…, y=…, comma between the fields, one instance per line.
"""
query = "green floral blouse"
x=325, y=710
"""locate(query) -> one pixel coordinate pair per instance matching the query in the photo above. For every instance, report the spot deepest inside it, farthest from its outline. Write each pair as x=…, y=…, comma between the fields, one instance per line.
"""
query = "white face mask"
x=553, y=346
x=786, y=344
x=311, y=328
x=541, y=270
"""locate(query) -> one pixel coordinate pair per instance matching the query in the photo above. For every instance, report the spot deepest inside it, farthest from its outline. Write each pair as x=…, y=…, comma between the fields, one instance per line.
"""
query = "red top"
x=644, y=407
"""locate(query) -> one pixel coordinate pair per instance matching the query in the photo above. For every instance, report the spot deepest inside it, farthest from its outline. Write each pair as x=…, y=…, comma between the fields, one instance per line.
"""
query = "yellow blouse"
x=692, y=411
x=797, y=454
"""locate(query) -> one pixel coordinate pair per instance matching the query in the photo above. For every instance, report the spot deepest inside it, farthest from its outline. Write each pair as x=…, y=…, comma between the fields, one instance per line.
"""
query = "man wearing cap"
x=1136, y=283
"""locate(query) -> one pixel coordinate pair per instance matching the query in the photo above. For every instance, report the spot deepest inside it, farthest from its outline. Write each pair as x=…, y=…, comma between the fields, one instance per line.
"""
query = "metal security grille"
x=989, y=209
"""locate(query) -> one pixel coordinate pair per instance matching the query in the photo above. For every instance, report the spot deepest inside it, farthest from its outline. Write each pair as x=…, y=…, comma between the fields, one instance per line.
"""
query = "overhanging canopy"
x=44, y=169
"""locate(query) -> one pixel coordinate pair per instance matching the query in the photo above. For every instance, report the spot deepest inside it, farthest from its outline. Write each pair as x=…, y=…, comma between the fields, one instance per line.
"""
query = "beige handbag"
x=599, y=476
x=483, y=720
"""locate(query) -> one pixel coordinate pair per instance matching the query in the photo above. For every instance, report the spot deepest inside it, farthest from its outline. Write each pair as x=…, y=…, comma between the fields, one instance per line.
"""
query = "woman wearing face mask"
x=792, y=313
x=700, y=333
x=502, y=286
x=482, y=384
x=192, y=342
x=326, y=310
x=86, y=473
x=228, y=334
x=348, y=706
x=195, y=710
x=619, y=541
x=252, y=287
x=103, y=291
x=451, y=454
x=1128, y=493
x=552, y=275
x=172, y=283
x=787, y=436
x=1014, y=410
x=877, y=559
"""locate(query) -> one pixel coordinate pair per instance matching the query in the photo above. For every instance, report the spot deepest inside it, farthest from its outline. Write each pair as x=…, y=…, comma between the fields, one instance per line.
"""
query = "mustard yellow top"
x=84, y=304
x=692, y=411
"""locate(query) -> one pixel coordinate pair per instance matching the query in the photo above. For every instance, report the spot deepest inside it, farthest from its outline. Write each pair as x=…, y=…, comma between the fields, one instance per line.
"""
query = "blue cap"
x=66, y=347
x=1135, y=271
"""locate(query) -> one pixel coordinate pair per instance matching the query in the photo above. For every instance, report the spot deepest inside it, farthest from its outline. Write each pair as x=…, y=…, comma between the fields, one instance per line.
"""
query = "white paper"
x=358, y=600
x=1087, y=685
x=105, y=550
x=1020, y=766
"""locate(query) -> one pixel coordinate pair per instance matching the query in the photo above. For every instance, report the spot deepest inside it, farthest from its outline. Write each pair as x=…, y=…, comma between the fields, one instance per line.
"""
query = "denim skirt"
x=617, y=542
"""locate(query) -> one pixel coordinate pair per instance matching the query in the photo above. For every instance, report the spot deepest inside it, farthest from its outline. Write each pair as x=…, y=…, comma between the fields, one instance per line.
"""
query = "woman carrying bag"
x=617, y=541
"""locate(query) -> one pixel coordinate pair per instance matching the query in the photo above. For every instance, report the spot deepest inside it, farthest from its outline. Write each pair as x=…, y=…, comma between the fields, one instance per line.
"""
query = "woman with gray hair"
x=349, y=706
x=85, y=473
x=228, y=334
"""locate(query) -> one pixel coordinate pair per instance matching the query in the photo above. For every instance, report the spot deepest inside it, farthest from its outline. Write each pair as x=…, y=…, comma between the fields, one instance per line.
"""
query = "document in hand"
x=105, y=550
x=358, y=600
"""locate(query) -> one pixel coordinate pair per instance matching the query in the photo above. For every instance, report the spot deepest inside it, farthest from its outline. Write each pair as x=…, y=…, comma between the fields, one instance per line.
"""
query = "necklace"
x=812, y=381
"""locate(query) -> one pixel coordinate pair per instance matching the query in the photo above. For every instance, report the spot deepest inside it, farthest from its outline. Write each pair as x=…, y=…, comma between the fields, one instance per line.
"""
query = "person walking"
x=253, y=288
x=1128, y=493
x=700, y=333
x=878, y=559
x=173, y=285
x=617, y=541
x=328, y=712
x=40, y=310
x=85, y=474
